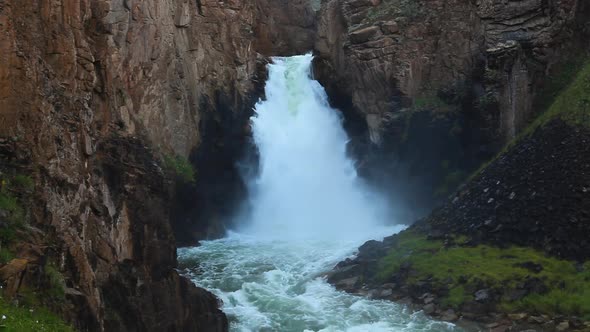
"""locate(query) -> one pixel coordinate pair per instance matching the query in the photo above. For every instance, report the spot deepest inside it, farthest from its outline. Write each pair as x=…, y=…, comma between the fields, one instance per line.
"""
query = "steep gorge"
x=96, y=94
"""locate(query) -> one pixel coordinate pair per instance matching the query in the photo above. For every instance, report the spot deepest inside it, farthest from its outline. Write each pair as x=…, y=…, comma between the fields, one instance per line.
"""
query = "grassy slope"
x=29, y=319
x=462, y=269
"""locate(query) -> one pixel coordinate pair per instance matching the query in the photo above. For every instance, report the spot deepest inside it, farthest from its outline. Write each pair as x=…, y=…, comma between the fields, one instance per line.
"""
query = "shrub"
x=180, y=167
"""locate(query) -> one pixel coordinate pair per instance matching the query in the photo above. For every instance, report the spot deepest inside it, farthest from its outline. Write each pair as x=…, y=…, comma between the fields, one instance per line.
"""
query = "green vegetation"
x=12, y=210
x=180, y=167
x=29, y=319
x=430, y=102
x=572, y=105
x=453, y=178
x=457, y=295
x=56, y=283
x=463, y=270
x=23, y=182
x=5, y=255
x=561, y=77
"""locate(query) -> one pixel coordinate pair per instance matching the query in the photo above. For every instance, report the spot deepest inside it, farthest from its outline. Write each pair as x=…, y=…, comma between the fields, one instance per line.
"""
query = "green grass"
x=180, y=167
x=572, y=105
x=429, y=102
x=463, y=270
x=457, y=295
x=559, y=79
x=6, y=255
x=29, y=319
x=56, y=283
x=15, y=219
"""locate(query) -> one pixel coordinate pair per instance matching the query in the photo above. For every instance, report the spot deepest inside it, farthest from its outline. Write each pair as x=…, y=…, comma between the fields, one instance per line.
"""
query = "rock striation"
x=386, y=54
x=93, y=94
x=431, y=89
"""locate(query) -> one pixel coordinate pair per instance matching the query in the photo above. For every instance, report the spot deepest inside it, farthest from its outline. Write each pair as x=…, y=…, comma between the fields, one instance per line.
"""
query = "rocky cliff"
x=93, y=95
x=442, y=85
x=510, y=249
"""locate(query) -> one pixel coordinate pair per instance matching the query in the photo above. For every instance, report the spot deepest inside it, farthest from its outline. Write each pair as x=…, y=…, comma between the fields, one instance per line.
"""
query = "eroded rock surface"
x=92, y=94
x=387, y=54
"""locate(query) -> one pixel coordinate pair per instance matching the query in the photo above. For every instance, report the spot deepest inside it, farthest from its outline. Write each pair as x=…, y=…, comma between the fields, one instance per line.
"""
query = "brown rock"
x=563, y=326
x=13, y=268
x=363, y=35
x=449, y=315
x=436, y=47
x=518, y=316
x=389, y=27
x=96, y=92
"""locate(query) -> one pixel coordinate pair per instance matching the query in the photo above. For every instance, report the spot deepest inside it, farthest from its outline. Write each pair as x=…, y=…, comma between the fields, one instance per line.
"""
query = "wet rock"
x=537, y=320
x=482, y=295
x=385, y=293
x=563, y=326
x=347, y=284
x=449, y=315
x=518, y=316
x=429, y=308
x=371, y=249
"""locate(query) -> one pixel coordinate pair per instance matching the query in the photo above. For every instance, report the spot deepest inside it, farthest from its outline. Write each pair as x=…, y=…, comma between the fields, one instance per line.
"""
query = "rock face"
x=388, y=54
x=92, y=93
x=440, y=86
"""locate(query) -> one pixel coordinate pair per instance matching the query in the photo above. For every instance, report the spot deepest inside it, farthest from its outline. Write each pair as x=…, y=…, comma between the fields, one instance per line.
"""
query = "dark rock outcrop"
x=535, y=195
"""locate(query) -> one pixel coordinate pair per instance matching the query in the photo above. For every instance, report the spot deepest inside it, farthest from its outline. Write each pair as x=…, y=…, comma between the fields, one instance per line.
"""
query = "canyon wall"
x=442, y=85
x=93, y=94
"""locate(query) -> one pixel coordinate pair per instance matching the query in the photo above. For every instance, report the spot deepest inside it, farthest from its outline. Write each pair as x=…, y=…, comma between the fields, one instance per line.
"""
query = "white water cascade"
x=308, y=211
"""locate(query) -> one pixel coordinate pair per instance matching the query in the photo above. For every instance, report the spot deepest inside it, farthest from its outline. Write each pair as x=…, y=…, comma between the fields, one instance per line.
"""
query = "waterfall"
x=309, y=210
x=306, y=186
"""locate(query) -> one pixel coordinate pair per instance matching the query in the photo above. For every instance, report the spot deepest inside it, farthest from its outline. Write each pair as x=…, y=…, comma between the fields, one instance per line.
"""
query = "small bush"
x=180, y=167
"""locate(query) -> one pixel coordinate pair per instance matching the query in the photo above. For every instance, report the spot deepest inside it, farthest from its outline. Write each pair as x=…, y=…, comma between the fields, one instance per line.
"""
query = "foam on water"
x=308, y=211
x=278, y=286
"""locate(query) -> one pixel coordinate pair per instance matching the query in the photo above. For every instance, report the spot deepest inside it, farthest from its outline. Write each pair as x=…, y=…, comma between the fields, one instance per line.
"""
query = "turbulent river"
x=307, y=210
